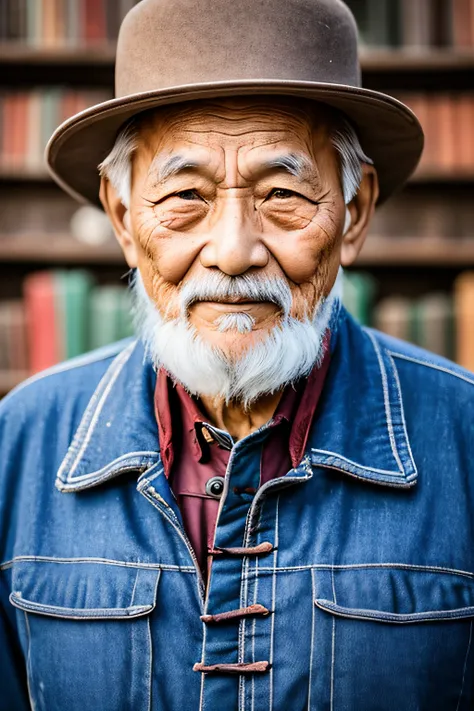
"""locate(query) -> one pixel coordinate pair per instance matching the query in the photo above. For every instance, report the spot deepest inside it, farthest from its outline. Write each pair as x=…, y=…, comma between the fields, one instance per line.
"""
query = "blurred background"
x=62, y=276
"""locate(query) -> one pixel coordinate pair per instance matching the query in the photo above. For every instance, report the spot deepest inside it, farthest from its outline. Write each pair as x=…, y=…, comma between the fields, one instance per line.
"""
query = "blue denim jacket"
x=368, y=575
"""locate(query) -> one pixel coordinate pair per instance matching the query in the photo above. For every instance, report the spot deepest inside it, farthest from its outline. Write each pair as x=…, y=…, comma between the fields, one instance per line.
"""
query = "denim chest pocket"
x=400, y=638
x=85, y=633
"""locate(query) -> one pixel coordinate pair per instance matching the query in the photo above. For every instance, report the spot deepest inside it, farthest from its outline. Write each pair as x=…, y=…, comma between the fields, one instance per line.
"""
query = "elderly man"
x=258, y=504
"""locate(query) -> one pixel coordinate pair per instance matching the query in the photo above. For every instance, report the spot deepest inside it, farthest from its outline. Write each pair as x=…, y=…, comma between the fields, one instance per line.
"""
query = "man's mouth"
x=232, y=304
x=230, y=300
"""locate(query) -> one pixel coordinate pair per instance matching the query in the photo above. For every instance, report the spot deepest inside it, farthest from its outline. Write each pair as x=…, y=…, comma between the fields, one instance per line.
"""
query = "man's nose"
x=234, y=245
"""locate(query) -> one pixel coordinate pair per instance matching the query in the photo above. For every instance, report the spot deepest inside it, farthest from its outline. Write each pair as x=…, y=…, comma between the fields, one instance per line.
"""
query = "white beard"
x=289, y=351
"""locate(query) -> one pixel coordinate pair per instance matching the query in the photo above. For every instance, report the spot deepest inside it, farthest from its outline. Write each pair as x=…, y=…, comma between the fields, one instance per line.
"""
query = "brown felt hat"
x=170, y=51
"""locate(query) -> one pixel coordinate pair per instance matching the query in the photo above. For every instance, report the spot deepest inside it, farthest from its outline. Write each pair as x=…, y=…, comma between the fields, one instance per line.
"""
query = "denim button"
x=215, y=486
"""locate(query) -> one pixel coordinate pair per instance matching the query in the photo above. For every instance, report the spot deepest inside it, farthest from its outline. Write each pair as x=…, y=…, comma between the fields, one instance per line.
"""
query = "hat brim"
x=389, y=131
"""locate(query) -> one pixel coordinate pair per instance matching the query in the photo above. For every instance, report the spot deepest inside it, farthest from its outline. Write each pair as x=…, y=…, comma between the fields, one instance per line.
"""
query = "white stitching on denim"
x=91, y=418
x=262, y=569
x=150, y=667
x=100, y=561
x=465, y=667
x=109, y=465
x=89, y=411
x=434, y=366
x=388, y=413
x=203, y=654
x=269, y=570
x=397, y=483
x=272, y=624
x=74, y=613
x=244, y=590
x=254, y=629
x=313, y=627
x=355, y=464
x=241, y=634
x=78, y=362
x=150, y=479
x=354, y=613
x=28, y=662
x=333, y=642
x=134, y=587
x=75, y=444
x=402, y=410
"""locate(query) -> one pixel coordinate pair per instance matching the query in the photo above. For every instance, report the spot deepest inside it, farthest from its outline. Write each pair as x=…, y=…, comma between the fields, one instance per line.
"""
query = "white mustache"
x=221, y=287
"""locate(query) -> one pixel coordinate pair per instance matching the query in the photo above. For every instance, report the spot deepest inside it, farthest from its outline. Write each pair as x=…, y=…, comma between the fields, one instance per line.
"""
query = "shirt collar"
x=296, y=410
x=359, y=429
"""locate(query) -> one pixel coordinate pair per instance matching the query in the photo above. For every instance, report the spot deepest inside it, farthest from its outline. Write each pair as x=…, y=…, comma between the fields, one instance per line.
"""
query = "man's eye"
x=188, y=195
x=281, y=193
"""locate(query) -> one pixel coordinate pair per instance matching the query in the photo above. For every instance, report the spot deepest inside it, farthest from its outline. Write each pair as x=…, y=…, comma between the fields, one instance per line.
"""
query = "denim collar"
x=359, y=428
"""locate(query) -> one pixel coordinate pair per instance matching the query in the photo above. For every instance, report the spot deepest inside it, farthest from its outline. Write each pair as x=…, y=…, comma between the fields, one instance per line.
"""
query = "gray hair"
x=117, y=166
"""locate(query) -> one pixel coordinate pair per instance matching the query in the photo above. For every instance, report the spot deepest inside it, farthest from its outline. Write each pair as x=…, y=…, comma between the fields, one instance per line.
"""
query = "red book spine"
x=41, y=321
x=95, y=21
x=462, y=23
x=446, y=149
x=20, y=128
x=464, y=134
x=68, y=105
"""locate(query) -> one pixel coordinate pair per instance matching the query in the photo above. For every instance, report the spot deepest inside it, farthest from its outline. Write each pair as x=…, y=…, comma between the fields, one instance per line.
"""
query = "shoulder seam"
x=427, y=364
x=77, y=362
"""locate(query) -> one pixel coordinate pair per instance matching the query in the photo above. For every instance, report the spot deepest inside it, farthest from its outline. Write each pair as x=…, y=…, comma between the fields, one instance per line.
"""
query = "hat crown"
x=167, y=43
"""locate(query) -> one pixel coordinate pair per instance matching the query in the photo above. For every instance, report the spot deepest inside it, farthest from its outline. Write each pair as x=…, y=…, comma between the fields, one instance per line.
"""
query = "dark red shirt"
x=192, y=452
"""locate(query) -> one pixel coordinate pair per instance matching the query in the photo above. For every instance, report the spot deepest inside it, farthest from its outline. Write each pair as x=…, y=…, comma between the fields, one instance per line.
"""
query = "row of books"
x=439, y=322
x=52, y=23
x=28, y=118
x=410, y=23
x=448, y=123
x=61, y=315
x=415, y=23
x=65, y=313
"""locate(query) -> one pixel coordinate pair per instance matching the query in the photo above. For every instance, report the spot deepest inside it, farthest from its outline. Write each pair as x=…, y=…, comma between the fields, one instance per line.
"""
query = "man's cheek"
x=169, y=256
x=307, y=294
x=301, y=259
x=165, y=296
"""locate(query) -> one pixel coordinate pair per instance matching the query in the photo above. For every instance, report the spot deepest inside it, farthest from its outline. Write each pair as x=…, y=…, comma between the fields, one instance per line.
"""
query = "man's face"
x=237, y=187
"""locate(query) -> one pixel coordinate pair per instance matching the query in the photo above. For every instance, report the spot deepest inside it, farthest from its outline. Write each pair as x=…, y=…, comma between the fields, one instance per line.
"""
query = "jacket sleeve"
x=13, y=683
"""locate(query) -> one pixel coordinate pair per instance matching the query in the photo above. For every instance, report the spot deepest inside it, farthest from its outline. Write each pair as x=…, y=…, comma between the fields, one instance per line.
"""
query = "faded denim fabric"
x=369, y=578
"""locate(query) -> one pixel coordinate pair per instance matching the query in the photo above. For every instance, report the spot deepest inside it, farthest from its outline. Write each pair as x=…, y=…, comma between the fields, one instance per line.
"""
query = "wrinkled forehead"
x=239, y=120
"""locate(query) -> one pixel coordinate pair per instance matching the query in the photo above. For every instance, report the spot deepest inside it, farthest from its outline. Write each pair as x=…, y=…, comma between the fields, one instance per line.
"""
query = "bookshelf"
x=421, y=241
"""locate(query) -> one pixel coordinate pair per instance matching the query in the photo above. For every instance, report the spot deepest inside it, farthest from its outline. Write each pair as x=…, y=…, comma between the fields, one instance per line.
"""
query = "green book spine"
x=349, y=294
x=359, y=292
x=50, y=113
x=415, y=323
x=125, y=325
x=436, y=316
x=72, y=23
x=105, y=310
x=73, y=289
x=379, y=22
x=33, y=22
x=59, y=281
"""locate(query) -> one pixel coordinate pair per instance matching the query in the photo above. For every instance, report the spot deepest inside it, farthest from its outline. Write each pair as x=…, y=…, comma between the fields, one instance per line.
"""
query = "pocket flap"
x=396, y=595
x=78, y=589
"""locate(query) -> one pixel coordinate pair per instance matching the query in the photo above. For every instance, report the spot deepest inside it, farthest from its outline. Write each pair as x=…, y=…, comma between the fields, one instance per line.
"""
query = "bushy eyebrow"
x=176, y=164
x=296, y=164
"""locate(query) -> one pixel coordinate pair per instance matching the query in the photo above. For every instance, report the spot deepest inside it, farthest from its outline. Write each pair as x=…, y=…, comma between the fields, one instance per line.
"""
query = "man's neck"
x=235, y=419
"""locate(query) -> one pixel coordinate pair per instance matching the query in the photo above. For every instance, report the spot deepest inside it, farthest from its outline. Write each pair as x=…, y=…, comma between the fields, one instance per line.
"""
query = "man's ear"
x=361, y=209
x=119, y=217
